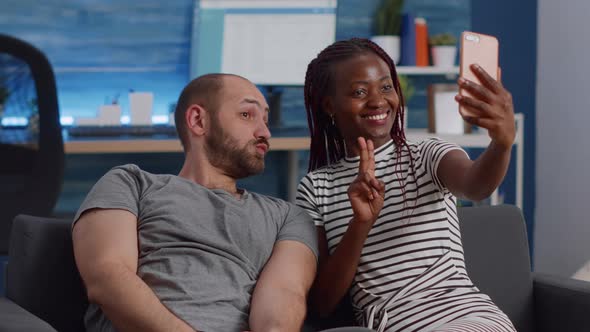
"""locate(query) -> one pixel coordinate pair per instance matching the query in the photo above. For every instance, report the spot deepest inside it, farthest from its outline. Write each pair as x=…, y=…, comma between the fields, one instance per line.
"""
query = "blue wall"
x=515, y=25
x=354, y=19
x=101, y=49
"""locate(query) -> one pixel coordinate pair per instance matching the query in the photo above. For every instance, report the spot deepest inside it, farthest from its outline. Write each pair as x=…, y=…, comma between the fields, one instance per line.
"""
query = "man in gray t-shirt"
x=193, y=251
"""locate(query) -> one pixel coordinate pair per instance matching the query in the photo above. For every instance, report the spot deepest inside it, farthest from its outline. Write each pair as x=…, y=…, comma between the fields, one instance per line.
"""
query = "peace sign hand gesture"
x=366, y=193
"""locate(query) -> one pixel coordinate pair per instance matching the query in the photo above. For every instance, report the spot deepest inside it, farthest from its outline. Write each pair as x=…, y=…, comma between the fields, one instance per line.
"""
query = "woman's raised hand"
x=366, y=193
x=490, y=107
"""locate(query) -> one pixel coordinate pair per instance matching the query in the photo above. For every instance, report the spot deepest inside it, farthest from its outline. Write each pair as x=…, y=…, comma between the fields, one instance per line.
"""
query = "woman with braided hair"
x=384, y=207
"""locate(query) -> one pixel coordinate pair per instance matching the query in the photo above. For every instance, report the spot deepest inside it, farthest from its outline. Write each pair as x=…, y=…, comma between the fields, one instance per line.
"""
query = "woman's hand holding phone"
x=483, y=100
x=489, y=106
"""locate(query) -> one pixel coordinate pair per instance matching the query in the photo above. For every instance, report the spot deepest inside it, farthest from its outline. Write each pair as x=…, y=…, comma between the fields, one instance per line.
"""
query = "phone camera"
x=472, y=38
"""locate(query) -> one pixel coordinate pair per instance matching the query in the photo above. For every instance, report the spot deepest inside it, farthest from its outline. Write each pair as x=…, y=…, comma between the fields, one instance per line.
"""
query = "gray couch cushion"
x=497, y=257
x=41, y=273
x=17, y=319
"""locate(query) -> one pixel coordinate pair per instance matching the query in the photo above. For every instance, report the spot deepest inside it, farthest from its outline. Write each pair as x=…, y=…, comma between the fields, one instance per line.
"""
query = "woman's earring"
x=332, y=118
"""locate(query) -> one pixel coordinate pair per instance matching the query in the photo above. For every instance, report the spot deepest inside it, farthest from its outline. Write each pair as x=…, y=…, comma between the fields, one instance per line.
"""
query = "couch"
x=45, y=293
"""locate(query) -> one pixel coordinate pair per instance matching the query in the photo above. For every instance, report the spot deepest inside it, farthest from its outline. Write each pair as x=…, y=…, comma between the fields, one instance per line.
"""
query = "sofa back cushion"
x=41, y=273
x=497, y=257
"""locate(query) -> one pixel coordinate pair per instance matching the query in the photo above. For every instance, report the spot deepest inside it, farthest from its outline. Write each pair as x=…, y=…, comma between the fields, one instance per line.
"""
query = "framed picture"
x=443, y=110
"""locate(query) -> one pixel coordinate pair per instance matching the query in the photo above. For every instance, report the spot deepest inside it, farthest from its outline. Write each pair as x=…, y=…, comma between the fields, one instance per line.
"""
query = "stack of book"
x=414, y=41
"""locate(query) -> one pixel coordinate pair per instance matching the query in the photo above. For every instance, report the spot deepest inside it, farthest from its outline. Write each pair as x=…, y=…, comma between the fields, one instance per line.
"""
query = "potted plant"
x=388, y=20
x=406, y=87
x=444, y=49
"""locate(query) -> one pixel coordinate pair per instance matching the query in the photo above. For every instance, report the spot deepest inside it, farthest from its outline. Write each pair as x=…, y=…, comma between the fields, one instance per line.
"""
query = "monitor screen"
x=270, y=42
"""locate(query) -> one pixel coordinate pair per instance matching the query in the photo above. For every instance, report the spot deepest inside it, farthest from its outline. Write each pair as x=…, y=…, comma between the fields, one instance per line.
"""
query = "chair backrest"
x=496, y=251
x=41, y=275
x=31, y=171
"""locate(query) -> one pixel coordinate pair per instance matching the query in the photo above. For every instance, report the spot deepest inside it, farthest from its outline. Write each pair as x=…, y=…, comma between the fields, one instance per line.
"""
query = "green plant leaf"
x=443, y=39
x=388, y=17
x=407, y=87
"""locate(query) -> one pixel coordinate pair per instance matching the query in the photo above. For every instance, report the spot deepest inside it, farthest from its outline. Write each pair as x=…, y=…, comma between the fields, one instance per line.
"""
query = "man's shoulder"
x=135, y=172
x=131, y=169
x=286, y=208
x=269, y=200
x=274, y=203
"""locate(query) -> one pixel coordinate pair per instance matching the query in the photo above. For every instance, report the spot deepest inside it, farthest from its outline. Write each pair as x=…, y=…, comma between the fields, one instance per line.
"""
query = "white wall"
x=562, y=215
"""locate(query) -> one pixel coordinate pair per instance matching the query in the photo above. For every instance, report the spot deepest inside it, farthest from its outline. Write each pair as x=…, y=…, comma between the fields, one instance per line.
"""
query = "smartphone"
x=479, y=49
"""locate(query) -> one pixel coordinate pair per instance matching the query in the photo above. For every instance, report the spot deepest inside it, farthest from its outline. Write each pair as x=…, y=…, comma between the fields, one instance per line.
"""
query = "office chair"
x=31, y=143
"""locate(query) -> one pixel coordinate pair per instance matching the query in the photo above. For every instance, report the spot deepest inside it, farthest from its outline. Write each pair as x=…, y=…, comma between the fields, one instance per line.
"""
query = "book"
x=421, y=42
x=408, y=40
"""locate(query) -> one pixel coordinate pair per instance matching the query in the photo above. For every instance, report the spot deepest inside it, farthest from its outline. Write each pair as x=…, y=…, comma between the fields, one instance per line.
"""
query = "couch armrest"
x=16, y=319
x=561, y=304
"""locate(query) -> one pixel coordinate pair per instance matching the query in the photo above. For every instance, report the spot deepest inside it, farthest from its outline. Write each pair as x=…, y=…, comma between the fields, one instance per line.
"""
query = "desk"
x=155, y=145
x=294, y=144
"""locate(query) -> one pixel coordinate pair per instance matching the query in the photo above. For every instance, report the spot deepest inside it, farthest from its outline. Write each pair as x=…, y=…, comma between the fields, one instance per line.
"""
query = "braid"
x=327, y=144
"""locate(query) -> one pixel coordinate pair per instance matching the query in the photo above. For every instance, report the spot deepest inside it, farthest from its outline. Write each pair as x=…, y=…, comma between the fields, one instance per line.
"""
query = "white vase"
x=390, y=44
x=444, y=56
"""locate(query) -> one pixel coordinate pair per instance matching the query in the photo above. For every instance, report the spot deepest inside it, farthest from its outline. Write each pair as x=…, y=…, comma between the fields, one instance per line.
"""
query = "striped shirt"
x=411, y=275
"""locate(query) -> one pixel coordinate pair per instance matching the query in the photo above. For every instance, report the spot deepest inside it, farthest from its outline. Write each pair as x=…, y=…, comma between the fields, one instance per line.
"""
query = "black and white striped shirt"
x=411, y=275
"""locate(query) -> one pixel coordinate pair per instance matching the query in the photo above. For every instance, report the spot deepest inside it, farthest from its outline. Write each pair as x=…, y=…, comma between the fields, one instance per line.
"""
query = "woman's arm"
x=491, y=108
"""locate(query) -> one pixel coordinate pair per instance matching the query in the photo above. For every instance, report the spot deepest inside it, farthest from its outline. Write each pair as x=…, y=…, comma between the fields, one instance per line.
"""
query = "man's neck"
x=203, y=173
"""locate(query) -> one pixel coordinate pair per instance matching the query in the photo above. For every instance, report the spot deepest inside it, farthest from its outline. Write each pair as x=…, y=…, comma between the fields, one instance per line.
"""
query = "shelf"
x=294, y=144
x=153, y=145
x=286, y=139
x=430, y=70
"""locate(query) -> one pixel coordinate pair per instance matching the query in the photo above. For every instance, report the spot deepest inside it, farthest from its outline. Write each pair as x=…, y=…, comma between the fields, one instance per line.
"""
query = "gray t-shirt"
x=200, y=250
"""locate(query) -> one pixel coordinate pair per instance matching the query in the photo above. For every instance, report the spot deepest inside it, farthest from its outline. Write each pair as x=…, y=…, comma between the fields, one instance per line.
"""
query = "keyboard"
x=113, y=131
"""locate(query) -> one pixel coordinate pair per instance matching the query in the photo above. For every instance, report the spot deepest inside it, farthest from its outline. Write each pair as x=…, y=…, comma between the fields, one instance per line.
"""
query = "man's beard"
x=224, y=153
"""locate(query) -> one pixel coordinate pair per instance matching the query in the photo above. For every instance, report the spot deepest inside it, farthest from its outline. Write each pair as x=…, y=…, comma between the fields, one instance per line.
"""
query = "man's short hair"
x=204, y=91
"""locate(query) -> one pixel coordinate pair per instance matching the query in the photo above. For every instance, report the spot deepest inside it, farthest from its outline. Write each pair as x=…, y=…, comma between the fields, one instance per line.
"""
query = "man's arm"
x=106, y=252
x=280, y=296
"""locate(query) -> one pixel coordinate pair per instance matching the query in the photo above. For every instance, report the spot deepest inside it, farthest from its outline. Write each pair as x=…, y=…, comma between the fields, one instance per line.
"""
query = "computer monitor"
x=270, y=42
